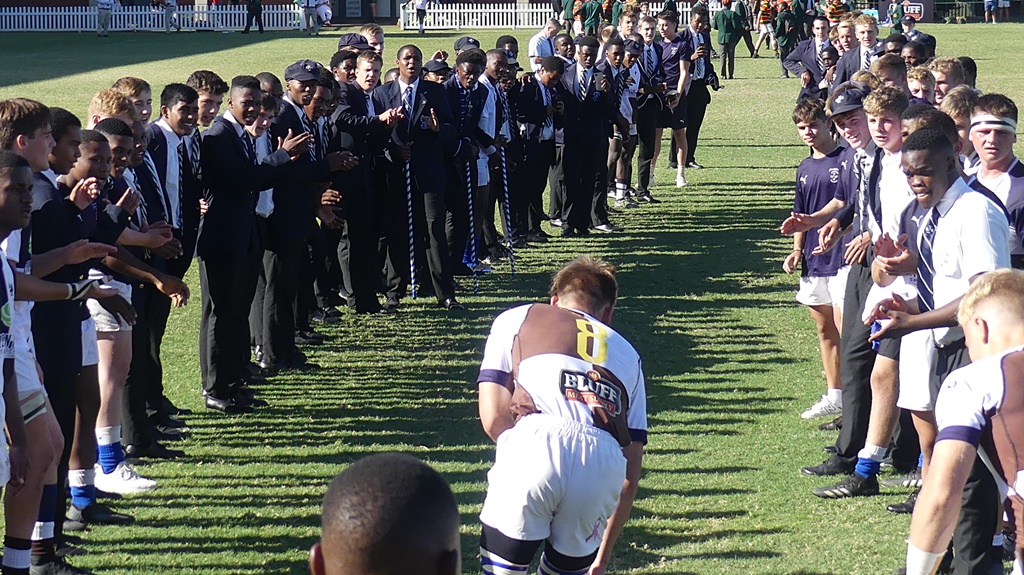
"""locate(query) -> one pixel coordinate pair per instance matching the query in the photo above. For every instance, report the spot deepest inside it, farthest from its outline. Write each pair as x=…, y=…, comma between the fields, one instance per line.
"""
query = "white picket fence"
x=512, y=16
x=143, y=18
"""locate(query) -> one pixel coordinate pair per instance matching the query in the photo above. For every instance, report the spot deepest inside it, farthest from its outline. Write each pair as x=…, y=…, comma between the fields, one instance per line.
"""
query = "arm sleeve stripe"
x=638, y=435
x=960, y=433
x=495, y=376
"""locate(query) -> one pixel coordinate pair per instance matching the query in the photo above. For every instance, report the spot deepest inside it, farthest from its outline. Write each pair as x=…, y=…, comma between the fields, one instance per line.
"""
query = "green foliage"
x=730, y=358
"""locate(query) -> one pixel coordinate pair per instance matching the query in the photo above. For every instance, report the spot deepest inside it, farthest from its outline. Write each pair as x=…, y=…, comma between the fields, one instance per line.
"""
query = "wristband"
x=921, y=562
x=78, y=290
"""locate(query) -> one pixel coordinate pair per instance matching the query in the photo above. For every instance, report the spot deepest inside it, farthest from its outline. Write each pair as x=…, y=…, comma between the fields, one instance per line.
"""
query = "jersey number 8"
x=591, y=342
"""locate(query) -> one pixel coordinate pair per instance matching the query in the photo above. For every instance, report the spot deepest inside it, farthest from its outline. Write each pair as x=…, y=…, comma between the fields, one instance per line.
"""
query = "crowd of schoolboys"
x=911, y=193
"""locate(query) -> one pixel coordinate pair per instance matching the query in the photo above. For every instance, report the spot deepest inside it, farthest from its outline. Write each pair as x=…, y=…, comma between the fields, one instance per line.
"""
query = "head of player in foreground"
x=587, y=284
x=388, y=514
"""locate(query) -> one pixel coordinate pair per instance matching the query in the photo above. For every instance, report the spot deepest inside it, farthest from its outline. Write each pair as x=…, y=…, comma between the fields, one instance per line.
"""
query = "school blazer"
x=295, y=190
x=804, y=58
x=360, y=134
x=189, y=188
x=470, y=131
x=430, y=150
x=588, y=120
x=231, y=188
x=850, y=64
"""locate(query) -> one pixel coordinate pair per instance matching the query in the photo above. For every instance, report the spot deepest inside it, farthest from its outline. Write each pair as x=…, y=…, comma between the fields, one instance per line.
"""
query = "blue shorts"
x=990, y=5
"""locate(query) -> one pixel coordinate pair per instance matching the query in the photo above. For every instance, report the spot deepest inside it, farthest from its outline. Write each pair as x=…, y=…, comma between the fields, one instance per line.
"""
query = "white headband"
x=994, y=122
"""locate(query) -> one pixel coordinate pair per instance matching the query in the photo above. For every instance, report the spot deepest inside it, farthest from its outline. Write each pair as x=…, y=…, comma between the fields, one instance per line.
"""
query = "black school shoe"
x=831, y=466
x=98, y=514
x=905, y=508
x=54, y=566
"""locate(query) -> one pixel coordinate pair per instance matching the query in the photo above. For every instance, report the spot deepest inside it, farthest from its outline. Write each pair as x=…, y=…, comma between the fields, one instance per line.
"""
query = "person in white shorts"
x=563, y=396
x=823, y=277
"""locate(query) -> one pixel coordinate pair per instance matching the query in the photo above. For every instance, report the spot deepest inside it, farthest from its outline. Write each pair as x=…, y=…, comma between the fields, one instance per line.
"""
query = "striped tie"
x=821, y=57
x=195, y=154
x=865, y=60
x=926, y=271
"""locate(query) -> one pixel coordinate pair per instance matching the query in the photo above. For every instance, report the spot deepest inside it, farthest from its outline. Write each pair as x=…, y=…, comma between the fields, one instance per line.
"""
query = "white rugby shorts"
x=557, y=480
x=917, y=361
x=826, y=290
x=106, y=321
x=90, y=355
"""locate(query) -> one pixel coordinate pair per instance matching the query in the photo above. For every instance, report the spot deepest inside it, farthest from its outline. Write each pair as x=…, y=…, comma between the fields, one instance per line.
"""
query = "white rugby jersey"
x=568, y=364
x=983, y=404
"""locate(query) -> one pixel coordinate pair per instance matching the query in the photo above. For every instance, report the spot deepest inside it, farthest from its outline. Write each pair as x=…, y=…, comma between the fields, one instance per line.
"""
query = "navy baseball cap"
x=437, y=65
x=466, y=43
x=908, y=19
x=353, y=41
x=633, y=47
x=850, y=97
x=303, y=71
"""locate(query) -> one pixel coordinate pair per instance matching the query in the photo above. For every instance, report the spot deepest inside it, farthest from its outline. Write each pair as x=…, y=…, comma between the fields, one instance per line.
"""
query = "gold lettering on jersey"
x=591, y=341
x=591, y=389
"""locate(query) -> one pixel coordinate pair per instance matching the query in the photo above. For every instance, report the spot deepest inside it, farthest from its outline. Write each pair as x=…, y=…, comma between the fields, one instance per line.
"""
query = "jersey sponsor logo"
x=833, y=175
x=590, y=388
x=803, y=180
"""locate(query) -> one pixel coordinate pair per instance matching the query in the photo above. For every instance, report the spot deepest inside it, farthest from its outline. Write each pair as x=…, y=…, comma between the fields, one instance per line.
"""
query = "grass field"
x=731, y=360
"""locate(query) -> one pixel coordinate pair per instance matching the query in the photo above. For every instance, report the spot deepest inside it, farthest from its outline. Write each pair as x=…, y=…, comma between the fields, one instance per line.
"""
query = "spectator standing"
x=742, y=9
x=171, y=16
x=542, y=44
x=730, y=28
x=765, y=17
x=104, y=12
x=785, y=34
x=254, y=13
x=310, y=25
x=421, y=12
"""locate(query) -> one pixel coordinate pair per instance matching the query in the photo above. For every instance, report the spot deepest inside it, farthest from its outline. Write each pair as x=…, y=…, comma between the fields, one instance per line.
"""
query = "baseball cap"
x=908, y=19
x=352, y=40
x=633, y=47
x=851, y=97
x=466, y=43
x=302, y=71
x=437, y=65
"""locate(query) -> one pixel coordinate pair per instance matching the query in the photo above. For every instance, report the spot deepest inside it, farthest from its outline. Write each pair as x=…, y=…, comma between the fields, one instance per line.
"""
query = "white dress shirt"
x=540, y=47
x=171, y=183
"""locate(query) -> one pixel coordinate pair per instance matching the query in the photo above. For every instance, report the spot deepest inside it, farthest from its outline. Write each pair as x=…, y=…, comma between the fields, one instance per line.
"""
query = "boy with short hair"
x=959, y=105
x=948, y=73
x=211, y=89
x=921, y=84
x=676, y=56
x=110, y=103
x=993, y=133
x=892, y=71
x=138, y=91
x=823, y=277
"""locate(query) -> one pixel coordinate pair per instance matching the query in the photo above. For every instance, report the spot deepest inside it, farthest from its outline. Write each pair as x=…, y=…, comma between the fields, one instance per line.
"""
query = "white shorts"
x=106, y=321
x=26, y=372
x=826, y=290
x=90, y=355
x=1004, y=3
x=917, y=360
x=555, y=480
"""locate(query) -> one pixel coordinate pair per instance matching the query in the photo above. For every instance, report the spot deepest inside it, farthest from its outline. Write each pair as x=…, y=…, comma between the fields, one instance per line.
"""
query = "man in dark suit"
x=467, y=99
x=362, y=132
x=425, y=142
x=587, y=129
x=649, y=105
x=867, y=50
x=697, y=95
x=296, y=197
x=539, y=111
x=169, y=160
x=229, y=243
x=807, y=60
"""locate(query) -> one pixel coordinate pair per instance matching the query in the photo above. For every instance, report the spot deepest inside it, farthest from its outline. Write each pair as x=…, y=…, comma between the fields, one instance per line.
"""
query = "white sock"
x=620, y=190
x=42, y=530
x=108, y=435
x=835, y=396
x=81, y=477
x=872, y=452
x=17, y=558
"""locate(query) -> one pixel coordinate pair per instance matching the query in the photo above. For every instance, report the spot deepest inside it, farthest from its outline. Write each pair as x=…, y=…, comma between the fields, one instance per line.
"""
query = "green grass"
x=730, y=358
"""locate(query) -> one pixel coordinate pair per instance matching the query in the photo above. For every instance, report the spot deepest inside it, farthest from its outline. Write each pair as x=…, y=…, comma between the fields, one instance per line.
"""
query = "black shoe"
x=152, y=451
x=162, y=419
x=305, y=338
x=451, y=304
x=852, y=486
x=54, y=566
x=830, y=449
x=673, y=165
x=162, y=433
x=99, y=514
x=65, y=549
x=225, y=405
x=647, y=198
x=298, y=363
x=905, y=508
x=537, y=237
x=833, y=425
x=694, y=166
x=171, y=409
x=568, y=233
x=323, y=315
x=831, y=466
x=911, y=478
x=391, y=305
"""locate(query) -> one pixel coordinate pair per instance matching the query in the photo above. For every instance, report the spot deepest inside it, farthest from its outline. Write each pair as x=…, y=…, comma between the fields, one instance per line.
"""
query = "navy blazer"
x=804, y=58
x=650, y=79
x=588, y=120
x=468, y=131
x=295, y=191
x=850, y=64
x=231, y=188
x=189, y=189
x=430, y=150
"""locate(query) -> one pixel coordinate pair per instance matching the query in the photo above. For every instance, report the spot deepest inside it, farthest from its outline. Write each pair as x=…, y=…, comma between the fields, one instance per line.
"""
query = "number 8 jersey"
x=567, y=363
